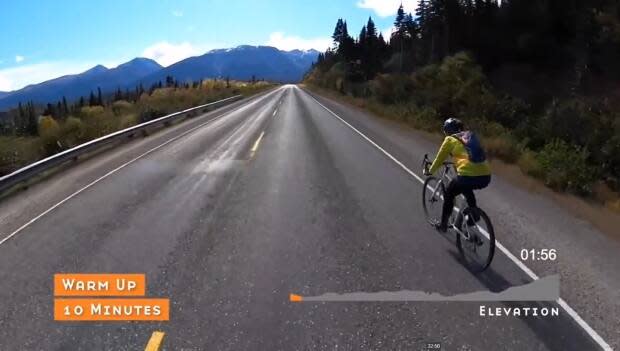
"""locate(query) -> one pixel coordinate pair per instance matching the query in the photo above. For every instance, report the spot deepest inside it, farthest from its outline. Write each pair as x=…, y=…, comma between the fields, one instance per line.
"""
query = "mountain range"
x=240, y=63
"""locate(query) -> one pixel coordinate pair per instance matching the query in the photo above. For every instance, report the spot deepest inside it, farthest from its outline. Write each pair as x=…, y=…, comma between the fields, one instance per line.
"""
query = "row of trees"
x=24, y=119
x=539, y=78
x=574, y=41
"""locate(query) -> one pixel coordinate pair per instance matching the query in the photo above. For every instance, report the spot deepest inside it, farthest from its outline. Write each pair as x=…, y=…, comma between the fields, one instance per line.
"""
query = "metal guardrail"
x=40, y=166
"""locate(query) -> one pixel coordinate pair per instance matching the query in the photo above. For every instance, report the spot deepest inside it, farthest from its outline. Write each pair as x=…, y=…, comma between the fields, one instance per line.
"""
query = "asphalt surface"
x=227, y=227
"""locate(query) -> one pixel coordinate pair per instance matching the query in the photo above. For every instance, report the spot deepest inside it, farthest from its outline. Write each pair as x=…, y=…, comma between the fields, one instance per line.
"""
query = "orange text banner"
x=99, y=284
x=109, y=309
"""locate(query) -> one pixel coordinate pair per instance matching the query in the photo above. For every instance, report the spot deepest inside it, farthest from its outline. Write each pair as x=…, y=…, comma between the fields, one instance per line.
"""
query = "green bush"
x=390, y=89
x=72, y=132
x=529, y=164
x=17, y=152
x=565, y=167
x=49, y=131
x=502, y=146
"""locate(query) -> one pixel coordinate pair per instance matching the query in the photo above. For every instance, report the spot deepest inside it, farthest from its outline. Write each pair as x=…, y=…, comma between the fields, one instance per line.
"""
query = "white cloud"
x=166, y=53
x=19, y=58
x=385, y=8
x=290, y=42
x=177, y=13
x=387, y=33
x=18, y=77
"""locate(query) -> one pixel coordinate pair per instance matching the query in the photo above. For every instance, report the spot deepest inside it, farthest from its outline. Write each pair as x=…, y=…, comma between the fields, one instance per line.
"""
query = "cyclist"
x=473, y=171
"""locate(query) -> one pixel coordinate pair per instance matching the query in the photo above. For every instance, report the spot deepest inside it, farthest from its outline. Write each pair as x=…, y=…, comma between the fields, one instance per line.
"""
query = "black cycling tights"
x=462, y=185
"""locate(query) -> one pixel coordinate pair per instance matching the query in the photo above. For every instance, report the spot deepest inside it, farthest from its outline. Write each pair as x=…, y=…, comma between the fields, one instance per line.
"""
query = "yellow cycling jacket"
x=451, y=146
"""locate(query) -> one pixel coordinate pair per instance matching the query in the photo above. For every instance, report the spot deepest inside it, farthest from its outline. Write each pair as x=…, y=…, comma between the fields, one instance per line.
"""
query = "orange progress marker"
x=296, y=298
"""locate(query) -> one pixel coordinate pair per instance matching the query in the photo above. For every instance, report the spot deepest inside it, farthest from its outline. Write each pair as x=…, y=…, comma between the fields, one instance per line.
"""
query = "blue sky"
x=46, y=39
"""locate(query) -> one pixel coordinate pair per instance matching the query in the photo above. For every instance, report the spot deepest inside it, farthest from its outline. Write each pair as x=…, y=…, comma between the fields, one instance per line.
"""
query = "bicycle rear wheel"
x=477, y=243
x=432, y=199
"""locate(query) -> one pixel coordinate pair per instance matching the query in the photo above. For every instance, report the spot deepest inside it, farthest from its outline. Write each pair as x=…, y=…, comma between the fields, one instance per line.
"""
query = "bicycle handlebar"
x=426, y=163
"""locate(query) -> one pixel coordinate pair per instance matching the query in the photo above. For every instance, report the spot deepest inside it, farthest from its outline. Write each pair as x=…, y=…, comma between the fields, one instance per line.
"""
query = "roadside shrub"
x=611, y=164
x=457, y=87
x=390, y=89
x=503, y=147
x=565, y=167
x=529, y=164
x=613, y=205
x=72, y=132
x=121, y=107
x=573, y=121
x=428, y=119
x=89, y=111
x=49, y=131
x=127, y=121
x=48, y=128
x=17, y=152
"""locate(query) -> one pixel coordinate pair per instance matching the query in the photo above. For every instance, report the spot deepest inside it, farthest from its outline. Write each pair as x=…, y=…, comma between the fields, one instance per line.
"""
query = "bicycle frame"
x=443, y=175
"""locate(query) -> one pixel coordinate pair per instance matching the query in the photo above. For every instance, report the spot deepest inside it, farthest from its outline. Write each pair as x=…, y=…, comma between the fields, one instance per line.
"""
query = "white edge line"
x=77, y=192
x=595, y=336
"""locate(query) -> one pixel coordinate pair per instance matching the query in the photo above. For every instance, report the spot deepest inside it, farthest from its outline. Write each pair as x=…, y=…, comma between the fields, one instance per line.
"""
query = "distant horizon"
x=146, y=58
x=140, y=57
x=71, y=43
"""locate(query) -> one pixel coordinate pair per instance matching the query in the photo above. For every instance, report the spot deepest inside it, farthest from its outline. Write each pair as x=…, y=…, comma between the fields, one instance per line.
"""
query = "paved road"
x=227, y=227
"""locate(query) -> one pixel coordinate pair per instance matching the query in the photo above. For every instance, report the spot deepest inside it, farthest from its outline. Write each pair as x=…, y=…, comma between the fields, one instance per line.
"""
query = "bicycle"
x=475, y=237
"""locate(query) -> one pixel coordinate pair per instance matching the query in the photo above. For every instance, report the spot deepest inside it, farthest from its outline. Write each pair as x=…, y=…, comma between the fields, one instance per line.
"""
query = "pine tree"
x=118, y=95
x=400, y=19
x=169, y=81
x=65, y=107
x=371, y=30
x=31, y=122
x=92, y=100
x=21, y=110
x=337, y=36
x=99, y=97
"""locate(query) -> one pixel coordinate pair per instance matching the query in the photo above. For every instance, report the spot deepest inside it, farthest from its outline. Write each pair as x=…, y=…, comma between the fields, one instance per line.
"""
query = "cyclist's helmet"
x=452, y=126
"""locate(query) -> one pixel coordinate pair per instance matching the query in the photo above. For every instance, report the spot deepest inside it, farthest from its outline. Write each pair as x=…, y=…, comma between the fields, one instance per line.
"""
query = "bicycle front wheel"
x=432, y=199
x=476, y=242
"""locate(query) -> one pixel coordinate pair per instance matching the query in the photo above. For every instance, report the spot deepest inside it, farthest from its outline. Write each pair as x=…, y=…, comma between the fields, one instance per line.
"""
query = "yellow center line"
x=260, y=137
x=255, y=147
x=155, y=342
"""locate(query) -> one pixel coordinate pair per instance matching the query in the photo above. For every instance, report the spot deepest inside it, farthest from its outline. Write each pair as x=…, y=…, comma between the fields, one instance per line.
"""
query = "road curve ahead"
x=229, y=213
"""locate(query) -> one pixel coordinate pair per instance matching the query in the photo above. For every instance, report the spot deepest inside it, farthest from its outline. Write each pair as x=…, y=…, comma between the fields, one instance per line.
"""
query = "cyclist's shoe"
x=441, y=228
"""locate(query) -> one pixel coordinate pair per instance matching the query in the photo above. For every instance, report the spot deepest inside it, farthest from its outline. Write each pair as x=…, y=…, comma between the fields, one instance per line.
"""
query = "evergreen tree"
x=169, y=81
x=21, y=110
x=31, y=126
x=118, y=95
x=92, y=100
x=99, y=97
x=65, y=107
x=400, y=20
x=338, y=31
